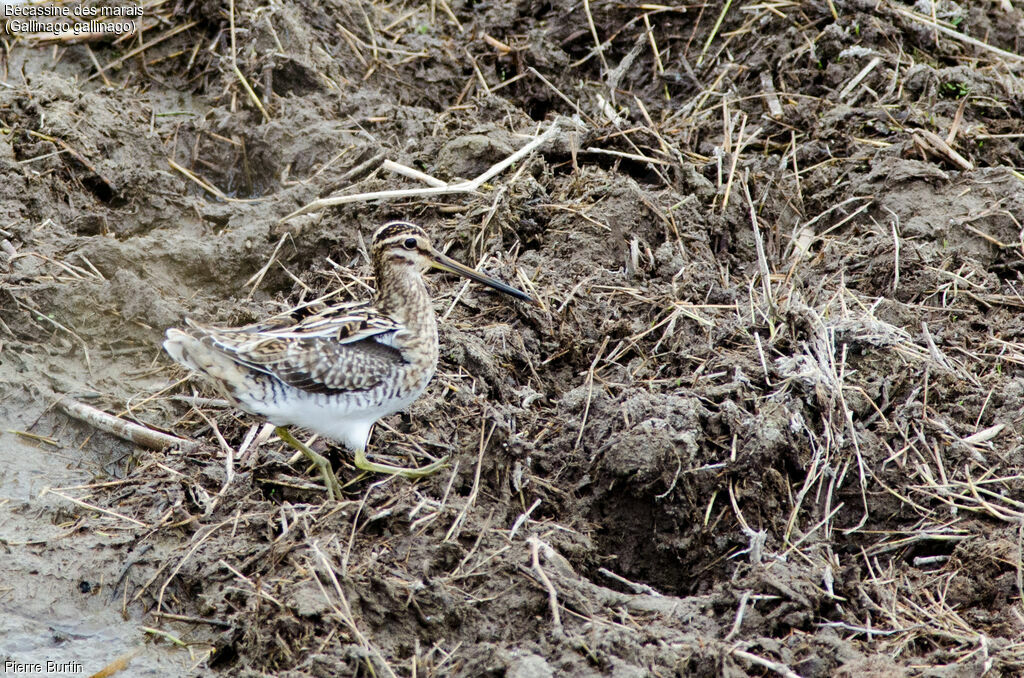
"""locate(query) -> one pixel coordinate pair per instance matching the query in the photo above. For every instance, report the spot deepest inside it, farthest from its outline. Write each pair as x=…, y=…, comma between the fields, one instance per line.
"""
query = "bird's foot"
x=364, y=464
x=317, y=460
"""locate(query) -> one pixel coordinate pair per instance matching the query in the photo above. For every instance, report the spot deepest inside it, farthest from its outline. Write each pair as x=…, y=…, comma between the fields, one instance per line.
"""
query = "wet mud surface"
x=767, y=417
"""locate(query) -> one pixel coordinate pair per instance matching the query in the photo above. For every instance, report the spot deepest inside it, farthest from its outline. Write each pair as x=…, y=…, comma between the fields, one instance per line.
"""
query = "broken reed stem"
x=250, y=92
x=597, y=40
x=238, y=72
x=91, y=507
x=344, y=612
x=714, y=32
x=556, y=617
x=411, y=173
x=177, y=568
x=579, y=111
x=470, y=186
x=41, y=316
x=453, y=531
x=126, y=430
x=139, y=50
x=950, y=33
x=206, y=186
x=590, y=391
x=762, y=259
x=777, y=667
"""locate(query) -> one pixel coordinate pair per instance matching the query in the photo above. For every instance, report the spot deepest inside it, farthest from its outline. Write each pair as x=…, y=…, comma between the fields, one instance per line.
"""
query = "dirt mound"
x=766, y=420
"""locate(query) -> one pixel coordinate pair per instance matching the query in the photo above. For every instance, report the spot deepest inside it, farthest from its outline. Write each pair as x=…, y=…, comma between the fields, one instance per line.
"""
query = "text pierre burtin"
x=49, y=667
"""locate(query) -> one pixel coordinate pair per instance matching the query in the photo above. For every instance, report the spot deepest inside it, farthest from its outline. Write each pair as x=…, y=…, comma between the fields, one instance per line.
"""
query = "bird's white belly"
x=345, y=418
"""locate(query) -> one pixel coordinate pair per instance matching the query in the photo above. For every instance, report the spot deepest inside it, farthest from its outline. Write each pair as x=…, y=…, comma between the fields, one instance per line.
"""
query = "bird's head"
x=400, y=243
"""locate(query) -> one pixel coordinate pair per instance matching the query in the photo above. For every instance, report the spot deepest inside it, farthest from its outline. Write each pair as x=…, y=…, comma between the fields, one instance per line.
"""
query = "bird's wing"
x=341, y=348
x=343, y=323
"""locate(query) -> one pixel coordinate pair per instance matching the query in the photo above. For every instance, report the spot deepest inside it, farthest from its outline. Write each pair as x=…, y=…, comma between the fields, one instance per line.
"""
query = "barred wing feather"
x=339, y=349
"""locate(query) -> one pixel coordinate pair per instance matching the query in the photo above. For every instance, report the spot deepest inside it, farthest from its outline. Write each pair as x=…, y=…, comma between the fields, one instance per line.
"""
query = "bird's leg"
x=330, y=480
x=364, y=464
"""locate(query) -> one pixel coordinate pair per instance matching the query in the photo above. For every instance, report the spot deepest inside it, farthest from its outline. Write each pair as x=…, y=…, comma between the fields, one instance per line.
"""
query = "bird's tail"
x=180, y=347
x=207, y=360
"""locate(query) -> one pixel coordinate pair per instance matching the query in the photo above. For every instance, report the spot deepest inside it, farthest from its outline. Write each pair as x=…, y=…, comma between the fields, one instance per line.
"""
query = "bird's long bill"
x=447, y=264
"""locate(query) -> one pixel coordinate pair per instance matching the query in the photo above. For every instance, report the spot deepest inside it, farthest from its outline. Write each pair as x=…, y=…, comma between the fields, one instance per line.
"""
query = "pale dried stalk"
x=140, y=435
x=469, y=186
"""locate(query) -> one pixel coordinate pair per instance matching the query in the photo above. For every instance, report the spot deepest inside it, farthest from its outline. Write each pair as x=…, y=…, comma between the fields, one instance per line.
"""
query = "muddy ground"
x=767, y=420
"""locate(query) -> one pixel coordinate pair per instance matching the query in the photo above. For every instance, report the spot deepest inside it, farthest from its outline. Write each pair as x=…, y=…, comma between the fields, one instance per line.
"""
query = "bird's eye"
x=410, y=243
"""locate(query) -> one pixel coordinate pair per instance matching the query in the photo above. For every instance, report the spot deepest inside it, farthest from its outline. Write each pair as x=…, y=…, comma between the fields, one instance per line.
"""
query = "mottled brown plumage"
x=336, y=369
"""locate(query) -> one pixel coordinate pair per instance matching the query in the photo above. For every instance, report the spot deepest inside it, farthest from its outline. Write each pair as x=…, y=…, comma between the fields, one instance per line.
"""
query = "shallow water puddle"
x=56, y=612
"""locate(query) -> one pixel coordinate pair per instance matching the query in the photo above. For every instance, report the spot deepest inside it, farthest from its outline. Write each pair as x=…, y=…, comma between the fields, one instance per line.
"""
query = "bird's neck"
x=402, y=295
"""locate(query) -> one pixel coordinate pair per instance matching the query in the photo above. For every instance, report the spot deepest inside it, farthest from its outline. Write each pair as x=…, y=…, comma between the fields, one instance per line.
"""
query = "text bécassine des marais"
x=64, y=10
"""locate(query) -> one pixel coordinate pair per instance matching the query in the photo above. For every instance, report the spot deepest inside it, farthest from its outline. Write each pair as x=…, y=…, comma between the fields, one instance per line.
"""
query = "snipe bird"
x=336, y=371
